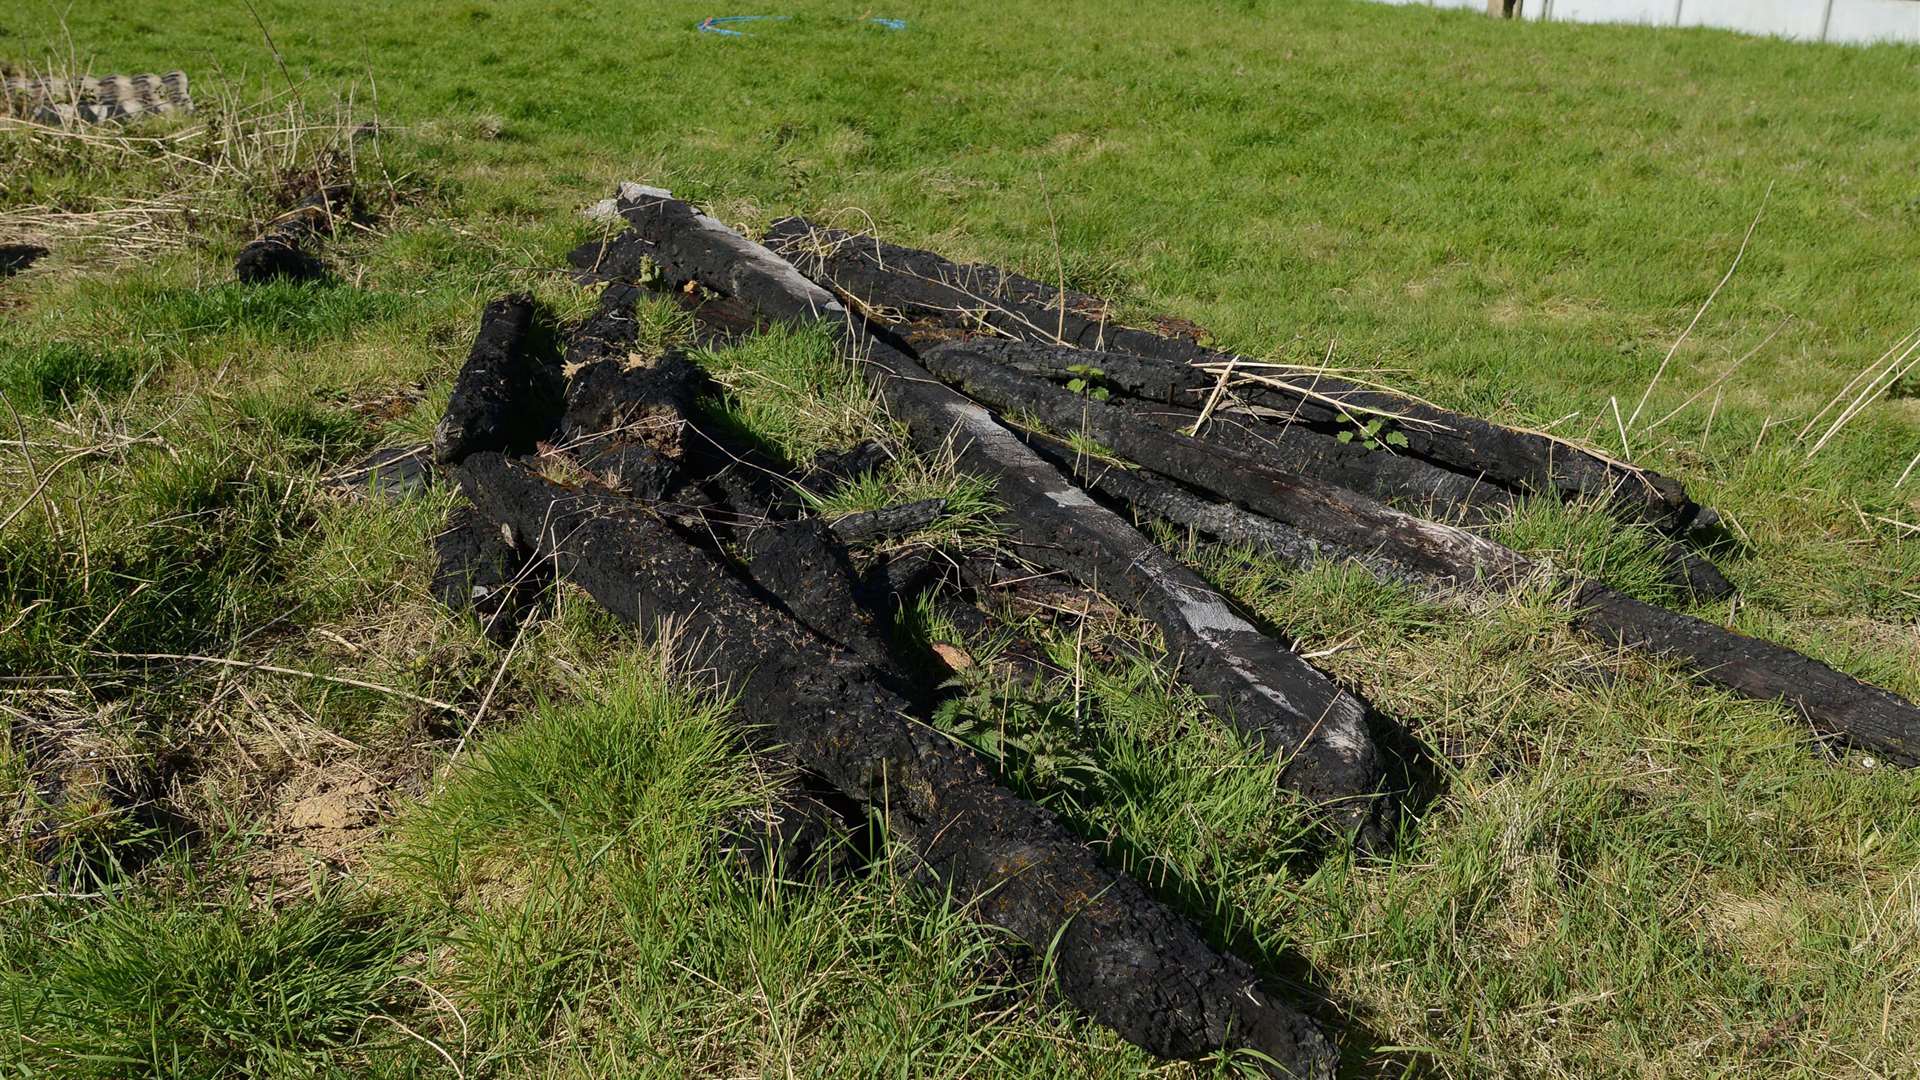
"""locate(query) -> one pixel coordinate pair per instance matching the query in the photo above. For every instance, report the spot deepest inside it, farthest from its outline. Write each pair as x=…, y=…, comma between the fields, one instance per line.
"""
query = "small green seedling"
x=1086, y=380
x=1373, y=434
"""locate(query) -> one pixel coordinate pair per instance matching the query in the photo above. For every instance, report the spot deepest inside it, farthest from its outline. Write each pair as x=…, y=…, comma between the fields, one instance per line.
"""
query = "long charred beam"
x=1119, y=955
x=1832, y=703
x=1381, y=473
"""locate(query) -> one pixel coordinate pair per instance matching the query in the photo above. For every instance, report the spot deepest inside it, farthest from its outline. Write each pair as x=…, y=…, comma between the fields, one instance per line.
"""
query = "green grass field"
x=257, y=873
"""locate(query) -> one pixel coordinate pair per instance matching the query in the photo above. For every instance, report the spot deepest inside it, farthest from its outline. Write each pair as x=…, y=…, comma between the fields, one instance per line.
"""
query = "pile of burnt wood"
x=589, y=467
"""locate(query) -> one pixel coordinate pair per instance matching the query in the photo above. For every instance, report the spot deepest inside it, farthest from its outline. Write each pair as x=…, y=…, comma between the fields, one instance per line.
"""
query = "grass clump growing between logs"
x=790, y=390
x=1617, y=873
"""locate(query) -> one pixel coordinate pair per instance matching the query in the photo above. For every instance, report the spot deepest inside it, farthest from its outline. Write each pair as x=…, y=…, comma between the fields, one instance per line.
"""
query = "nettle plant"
x=1086, y=380
x=1373, y=434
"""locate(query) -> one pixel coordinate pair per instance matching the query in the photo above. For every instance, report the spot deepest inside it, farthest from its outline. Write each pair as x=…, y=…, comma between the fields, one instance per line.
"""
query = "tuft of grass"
x=1592, y=543
x=790, y=390
x=207, y=985
x=57, y=374
x=575, y=870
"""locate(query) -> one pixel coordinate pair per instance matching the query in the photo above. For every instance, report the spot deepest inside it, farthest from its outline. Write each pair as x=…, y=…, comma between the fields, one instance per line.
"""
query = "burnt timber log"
x=1834, y=704
x=1123, y=958
x=284, y=249
x=919, y=286
x=888, y=522
x=1321, y=732
x=504, y=398
x=1283, y=445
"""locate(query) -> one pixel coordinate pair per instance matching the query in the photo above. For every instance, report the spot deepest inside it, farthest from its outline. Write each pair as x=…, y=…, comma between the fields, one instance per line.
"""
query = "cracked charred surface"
x=1379, y=474
x=1321, y=732
x=1833, y=703
x=628, y=425
x=922, y=286
x=1121, y=956
x=807, y=570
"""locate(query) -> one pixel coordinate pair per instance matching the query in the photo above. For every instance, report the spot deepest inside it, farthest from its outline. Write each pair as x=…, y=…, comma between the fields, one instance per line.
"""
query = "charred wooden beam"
x=17, y=257
x=504, y=398
x=1158, y=497
x=1833, y=703
x=917, y=285
x=1295, y=447
x=805, y=567
x=1122, y=957
x=1322, y=733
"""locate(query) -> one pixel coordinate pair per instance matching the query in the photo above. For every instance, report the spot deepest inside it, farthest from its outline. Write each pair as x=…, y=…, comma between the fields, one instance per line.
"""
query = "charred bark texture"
x=1284, y=445
x=1162, y=498
x=1118, y=954
x=921, y=286
x=1323, y=733
x=1833, y=704
x=285, y=248
x=805, y=568
x=889, y=522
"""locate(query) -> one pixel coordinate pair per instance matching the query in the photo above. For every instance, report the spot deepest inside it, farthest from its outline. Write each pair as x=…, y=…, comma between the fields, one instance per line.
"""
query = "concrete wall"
x=1846, y=21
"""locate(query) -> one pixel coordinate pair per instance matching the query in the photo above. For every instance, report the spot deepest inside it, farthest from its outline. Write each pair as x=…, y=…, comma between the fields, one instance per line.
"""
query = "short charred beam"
x=833, y=470
x=17, y=257
x=920, y=286
x=504, y=397
x=888, y=522
x=1834, y=704
x=628, y=425
x=286, y=247
x=1323, y=733
x=1119, y=955
x=1685, y=568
